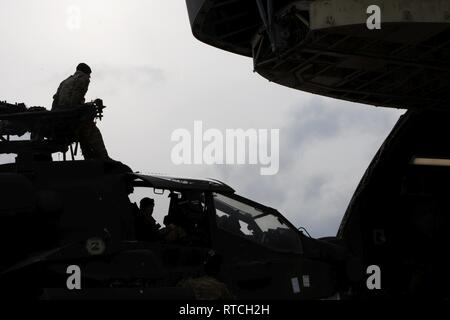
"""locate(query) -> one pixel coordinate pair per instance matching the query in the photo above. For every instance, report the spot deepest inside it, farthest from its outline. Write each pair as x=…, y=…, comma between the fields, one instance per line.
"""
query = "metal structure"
x=325, y=47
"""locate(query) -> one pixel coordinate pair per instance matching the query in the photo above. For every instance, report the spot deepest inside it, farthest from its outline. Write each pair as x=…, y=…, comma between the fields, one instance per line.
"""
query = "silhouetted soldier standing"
x=71, y=94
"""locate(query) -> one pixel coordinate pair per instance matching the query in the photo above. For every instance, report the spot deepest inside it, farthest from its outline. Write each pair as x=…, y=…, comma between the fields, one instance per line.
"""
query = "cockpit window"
x=255, y=224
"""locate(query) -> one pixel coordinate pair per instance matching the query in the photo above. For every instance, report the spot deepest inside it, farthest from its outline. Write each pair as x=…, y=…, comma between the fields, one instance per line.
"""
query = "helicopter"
x=77, y=215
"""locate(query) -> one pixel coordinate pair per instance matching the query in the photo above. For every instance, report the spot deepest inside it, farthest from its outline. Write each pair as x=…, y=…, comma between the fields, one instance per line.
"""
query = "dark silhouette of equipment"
x=57, y=214
x=325, y=46
x=50, y=131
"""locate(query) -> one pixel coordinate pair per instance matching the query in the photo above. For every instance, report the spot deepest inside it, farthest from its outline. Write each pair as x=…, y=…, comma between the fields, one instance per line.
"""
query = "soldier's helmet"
x=83, y=67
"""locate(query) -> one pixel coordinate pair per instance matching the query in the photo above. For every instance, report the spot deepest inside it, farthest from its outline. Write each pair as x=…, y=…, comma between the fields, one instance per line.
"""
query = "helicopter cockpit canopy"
x=233, y=215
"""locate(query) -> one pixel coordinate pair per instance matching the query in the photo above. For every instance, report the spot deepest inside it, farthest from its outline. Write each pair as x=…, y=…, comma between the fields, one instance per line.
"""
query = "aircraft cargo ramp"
x=326, y=47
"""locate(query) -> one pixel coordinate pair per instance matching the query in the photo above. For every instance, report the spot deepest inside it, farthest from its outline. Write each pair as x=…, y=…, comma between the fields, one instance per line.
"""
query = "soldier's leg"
x=97, y=143
x=91, y=142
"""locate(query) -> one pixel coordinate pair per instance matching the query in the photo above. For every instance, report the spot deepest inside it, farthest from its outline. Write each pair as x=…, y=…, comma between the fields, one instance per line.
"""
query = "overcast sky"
x=155, y=77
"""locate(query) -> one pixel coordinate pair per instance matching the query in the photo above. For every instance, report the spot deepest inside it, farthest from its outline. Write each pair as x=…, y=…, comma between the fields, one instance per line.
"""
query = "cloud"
x=130, y=75
x=326, y=146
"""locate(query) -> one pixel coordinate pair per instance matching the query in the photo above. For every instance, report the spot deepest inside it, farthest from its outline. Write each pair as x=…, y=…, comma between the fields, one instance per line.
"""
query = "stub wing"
x=327, y=48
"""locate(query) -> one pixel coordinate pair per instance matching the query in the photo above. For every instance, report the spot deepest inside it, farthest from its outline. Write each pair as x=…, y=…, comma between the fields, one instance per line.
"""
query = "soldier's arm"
x=79, y=91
